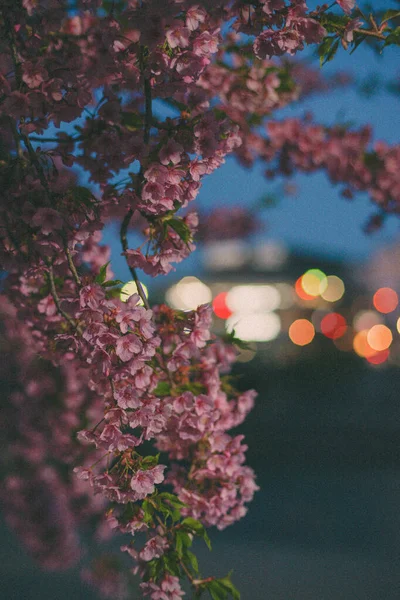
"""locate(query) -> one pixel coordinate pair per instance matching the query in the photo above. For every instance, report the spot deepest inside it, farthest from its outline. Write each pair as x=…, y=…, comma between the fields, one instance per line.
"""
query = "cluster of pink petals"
x=98, y=377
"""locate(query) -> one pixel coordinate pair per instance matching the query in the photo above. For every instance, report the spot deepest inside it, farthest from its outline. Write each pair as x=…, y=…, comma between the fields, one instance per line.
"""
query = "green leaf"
x=132, y=120
x=390, y=14
x=393, y=39
x=170, y=561
x=334, y=23
x=82, y=195
x=148, y=462
x=182, y=541
x=217, y=591
x=222, y=588
x=197, y=528
x=172, y=499
x=163, y=389
x=112, y=283
x=190, y=559
x=148, y=510
x=227, y=583
x=180, y=227
x=327, y=49
x=101, y=277
x=230, y=338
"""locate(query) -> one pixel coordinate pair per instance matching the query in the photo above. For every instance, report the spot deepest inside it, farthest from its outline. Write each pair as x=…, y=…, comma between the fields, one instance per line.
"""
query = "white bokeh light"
x=188, y=294
x=247, y=299
x=256, y=327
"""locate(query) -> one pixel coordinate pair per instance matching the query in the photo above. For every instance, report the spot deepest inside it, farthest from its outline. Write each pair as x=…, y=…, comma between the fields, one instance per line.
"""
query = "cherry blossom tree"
x=118, y=413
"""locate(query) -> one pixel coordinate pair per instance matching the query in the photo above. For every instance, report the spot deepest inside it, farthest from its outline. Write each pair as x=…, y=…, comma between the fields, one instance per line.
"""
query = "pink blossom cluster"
x=99, y=379
x=347, y=157
x=41, y=499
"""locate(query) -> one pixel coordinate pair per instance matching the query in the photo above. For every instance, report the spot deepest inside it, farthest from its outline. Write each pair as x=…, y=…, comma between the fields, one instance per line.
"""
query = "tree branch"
x=57, y=301
x=124, y=244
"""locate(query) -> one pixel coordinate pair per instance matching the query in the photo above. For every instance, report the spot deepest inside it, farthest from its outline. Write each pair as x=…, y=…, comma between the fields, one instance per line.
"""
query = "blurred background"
x=316, y=300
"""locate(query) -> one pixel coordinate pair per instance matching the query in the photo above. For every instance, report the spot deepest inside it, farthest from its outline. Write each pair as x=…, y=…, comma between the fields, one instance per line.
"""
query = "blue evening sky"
x=317, y=219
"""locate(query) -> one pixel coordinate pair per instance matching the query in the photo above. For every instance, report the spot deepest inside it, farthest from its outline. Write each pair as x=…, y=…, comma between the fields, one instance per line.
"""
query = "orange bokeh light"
x=301, y=332
x=361, y=345
x=379, y=337
x=300, y=292
x=385, y=300
x=220, y=307
x=333, y=326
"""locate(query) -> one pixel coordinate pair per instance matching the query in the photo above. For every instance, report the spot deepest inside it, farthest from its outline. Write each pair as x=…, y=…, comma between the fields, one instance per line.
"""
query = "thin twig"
x=57, y=301
x=370, y=33
x=148, y=110
x=72, y=267
x=36, y=163
x=125, y=223
x=17, y=139
x=13, y=48
x=124, y=244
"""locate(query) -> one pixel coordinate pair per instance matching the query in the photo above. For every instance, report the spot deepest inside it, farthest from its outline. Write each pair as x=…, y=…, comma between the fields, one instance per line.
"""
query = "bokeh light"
x=130, y=288
x=379, y=357
x=254, y=327
x=314, y=282
x=365, y=319
x=361, y=345
x=385, y=300
x=379, y=337
x=188, y=294
x=287, y=296
x=333, y=325
x=301, y=332
x=253, y=298
x=334, y=290
x=220, y=307
x=300, y=292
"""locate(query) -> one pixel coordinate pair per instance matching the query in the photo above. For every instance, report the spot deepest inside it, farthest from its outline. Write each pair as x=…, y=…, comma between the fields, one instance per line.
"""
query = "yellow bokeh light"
x=129, y=289
x=398, y=325
x=314, y=282
x=334, y=289
x=379, y=337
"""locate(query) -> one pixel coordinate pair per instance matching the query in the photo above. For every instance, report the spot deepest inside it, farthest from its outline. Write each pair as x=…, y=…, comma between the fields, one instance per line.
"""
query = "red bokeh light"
x=385, y=300
x=333, y=326
x=220, y=307
x=379, y=357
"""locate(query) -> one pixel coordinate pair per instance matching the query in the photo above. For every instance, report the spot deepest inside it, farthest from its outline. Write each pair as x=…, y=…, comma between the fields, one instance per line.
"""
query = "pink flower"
x=178, y=36
x=33, y=74
x=171, y=152
x=47, y=306
x=143, y=482
x=91, y=296
x=206, y=44
x=127, y=346
x=348, y=34
x=194, y=16
x=154, y=548
x=48, y=219
x=347, y=5
x=157, y=173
